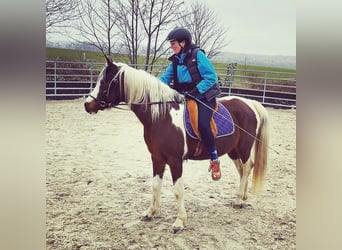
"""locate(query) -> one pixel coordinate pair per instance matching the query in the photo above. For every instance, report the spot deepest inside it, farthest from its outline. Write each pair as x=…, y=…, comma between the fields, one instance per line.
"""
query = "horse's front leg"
x=176, y=172
x=158, y=172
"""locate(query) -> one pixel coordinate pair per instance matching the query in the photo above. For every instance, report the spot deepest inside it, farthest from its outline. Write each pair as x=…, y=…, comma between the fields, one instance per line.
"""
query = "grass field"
x=78, y=56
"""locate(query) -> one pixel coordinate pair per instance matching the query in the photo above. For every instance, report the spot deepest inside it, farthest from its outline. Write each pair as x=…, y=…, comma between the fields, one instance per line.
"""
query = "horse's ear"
x=109, y=60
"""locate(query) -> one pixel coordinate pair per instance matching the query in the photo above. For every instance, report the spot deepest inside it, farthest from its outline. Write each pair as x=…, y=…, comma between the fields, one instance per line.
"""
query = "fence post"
x=91, y=77
x=55, y=79
x=230, y=75
x=264, y=92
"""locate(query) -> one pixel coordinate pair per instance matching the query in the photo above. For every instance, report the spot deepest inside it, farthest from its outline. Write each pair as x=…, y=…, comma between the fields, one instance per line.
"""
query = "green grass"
x=77, y=56
x=223, y=68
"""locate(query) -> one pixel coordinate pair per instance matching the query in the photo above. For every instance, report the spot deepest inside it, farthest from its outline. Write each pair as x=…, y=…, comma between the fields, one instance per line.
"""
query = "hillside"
x=258, y=60
x=251, y=62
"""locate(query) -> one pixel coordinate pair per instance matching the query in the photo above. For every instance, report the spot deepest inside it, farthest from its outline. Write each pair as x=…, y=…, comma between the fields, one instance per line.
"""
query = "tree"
x=59, y=12
x=96, y=26
x=127, y=22
x=144, y=21
x=156, y=15
x=205, y=29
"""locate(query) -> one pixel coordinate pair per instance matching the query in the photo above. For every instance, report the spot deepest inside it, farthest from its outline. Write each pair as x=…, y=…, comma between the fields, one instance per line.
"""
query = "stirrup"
x=214, y=167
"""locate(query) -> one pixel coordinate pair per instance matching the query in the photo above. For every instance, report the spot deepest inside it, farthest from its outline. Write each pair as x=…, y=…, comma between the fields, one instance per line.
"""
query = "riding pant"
x=204, y=116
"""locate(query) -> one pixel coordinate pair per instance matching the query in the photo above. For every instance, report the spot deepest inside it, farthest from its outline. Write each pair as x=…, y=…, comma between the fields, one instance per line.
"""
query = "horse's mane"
x=142, y=87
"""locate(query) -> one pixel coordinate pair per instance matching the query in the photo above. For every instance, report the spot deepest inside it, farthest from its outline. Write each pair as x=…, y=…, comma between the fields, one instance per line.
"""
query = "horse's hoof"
x=238, y=205
x=177, y=229
x=177, y=226
x=241, y=205
x=146, y=218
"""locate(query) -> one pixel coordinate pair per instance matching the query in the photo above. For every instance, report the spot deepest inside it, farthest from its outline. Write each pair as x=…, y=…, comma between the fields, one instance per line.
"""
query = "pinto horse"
x=160, y=110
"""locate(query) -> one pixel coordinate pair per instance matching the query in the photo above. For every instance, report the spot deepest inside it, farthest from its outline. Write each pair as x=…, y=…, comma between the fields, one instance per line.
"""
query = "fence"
x=66, y=80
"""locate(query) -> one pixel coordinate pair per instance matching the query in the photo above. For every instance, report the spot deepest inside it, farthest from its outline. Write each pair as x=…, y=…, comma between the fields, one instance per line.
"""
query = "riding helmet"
x=179, y=34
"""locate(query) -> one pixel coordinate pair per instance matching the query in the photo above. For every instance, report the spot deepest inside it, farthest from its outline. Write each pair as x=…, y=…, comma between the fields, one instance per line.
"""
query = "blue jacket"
x=205, y=68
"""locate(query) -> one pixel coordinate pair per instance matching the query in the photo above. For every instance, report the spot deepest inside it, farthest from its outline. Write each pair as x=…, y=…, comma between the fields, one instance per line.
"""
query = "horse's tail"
x=261, y=149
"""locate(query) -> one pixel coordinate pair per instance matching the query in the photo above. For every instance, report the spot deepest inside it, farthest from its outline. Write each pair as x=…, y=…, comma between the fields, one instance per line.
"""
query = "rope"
x=254, y=137
x=231, y=122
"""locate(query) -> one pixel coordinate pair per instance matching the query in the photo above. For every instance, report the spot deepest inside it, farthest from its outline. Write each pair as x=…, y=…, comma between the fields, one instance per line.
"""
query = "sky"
x=261, y=27
x=266, y=27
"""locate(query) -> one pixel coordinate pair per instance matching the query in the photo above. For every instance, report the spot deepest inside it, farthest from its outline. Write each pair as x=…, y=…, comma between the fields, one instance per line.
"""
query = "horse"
x=160, y=110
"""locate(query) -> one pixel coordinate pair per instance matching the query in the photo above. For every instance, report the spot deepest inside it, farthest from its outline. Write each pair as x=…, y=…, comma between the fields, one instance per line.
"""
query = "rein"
x=104, y=104
x=145, y=103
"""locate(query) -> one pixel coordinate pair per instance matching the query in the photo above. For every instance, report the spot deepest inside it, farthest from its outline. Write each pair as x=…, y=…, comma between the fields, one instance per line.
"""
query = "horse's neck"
x=143, y=113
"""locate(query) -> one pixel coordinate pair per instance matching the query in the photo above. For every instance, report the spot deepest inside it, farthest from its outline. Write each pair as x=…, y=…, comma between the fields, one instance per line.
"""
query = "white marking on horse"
x=94, y=93
x=181, y=213
x=96, y=90
x=155, y=203
x=249, y=102
x=156, y=188
x=177, y=120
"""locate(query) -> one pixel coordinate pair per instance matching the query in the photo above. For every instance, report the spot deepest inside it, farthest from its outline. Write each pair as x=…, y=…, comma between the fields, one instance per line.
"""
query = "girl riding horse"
x=194, y=76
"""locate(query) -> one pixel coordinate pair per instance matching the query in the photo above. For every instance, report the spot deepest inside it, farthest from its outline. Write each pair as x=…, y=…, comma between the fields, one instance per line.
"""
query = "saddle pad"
x=222, y=118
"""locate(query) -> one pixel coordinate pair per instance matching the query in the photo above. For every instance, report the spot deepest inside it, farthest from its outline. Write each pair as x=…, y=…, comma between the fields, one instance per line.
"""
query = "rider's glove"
x=192, y=93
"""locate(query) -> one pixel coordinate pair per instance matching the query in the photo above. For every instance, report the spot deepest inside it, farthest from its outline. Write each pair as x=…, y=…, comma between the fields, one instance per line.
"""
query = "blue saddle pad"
x=223, y=120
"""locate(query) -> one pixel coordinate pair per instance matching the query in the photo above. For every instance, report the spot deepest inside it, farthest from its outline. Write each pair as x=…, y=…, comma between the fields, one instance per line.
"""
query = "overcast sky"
x=266, y=27
x=257, y=26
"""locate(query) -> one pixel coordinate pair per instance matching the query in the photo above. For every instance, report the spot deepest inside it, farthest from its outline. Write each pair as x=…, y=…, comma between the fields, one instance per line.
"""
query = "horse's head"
x=108, y=90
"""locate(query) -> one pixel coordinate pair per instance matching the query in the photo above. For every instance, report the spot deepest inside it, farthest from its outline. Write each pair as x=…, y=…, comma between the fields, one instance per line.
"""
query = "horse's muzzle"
x=91, y=107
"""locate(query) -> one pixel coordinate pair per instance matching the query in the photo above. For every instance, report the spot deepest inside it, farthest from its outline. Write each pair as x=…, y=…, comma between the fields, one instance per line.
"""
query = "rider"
x=194, y=76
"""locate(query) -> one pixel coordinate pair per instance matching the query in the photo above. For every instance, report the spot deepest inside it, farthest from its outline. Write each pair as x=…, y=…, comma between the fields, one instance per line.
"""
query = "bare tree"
x=127, y=22
x=137, y=20
x=145, y=20
x=206, y=31
x=95, y=26
x=156, y=15
x=58, y=12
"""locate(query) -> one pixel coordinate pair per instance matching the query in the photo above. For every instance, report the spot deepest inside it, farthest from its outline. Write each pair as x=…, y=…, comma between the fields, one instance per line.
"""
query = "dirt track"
x=98, y=179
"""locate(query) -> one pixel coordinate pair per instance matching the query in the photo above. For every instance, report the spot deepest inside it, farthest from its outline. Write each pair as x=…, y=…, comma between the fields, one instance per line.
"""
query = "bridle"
x=119, y=81
x=106, y=93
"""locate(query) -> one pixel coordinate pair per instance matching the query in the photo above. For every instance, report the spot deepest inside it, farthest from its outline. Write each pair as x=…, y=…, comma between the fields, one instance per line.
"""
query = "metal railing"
x=66, y=80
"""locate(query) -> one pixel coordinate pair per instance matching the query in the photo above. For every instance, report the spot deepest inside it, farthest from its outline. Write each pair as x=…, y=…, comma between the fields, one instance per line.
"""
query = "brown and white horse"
x=160, y=110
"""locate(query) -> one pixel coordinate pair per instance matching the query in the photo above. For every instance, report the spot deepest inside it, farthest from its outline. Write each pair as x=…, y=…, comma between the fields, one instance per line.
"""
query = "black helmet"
x=179, y=34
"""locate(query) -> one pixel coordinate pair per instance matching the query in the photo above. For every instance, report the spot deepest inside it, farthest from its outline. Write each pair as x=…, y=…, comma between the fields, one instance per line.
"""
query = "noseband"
x=102, y=104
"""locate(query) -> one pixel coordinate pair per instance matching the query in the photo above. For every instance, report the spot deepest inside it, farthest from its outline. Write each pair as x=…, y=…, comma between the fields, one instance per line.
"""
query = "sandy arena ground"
x=98, y=179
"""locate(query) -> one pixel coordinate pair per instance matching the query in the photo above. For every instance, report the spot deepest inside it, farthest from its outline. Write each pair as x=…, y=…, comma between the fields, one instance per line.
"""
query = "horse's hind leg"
x=244, y=170
x=158, y=173
x=241, y=195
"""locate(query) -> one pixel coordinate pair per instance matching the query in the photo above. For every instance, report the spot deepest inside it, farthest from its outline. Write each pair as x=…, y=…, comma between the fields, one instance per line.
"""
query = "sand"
x=98, y=181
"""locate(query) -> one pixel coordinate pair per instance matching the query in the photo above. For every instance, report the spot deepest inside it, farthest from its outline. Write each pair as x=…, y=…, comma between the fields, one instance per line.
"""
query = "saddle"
x=221, y=123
